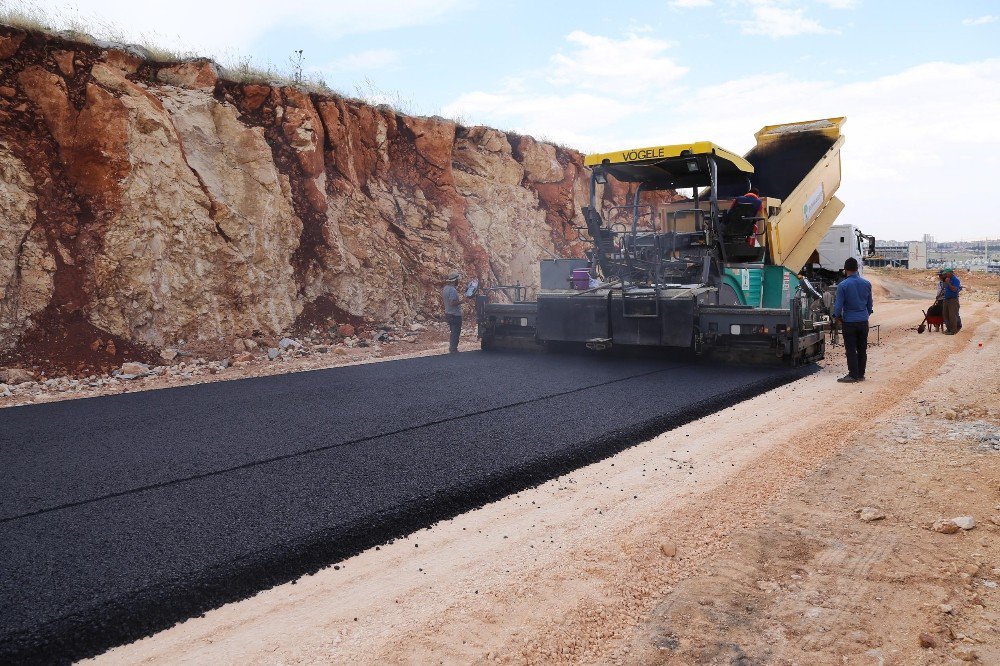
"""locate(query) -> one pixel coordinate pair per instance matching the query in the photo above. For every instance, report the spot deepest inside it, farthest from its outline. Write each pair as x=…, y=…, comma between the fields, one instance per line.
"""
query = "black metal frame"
x=519, y=291
x=641, y=258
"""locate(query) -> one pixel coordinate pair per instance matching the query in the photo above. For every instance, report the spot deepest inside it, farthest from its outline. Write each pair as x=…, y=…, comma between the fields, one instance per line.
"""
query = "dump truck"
x=715, y=272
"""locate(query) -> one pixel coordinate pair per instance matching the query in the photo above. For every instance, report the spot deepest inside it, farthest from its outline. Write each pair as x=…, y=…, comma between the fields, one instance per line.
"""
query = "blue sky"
x=919, y=81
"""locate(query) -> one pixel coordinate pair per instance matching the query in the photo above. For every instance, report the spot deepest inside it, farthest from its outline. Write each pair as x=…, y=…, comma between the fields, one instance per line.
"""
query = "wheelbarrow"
x=933, y=316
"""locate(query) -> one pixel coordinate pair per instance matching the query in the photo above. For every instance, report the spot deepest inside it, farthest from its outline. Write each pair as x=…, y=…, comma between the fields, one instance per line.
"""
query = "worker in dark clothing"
x=751, y=197
x=952, y=286
x=452, y=310
x=852, y=307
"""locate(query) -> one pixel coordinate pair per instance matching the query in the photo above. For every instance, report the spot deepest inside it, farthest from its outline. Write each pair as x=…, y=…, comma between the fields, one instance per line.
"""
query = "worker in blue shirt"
x=852, y=307
x=949, y=303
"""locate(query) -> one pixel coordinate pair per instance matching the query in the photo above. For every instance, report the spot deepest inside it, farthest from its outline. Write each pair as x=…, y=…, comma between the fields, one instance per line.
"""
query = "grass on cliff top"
x=68, y=24
x=237, y=67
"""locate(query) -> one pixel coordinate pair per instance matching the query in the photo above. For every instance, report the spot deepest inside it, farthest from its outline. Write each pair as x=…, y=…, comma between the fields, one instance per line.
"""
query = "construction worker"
x=852, y=307
x=452, y=310
x=751, y=197
x=952, y=286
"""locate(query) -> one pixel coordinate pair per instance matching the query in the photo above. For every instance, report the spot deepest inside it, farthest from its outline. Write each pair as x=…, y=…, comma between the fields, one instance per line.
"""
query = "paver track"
x=125, y=514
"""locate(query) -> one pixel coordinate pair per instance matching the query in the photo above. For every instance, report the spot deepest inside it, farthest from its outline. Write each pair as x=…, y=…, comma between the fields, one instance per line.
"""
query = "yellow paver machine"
x=717, y=272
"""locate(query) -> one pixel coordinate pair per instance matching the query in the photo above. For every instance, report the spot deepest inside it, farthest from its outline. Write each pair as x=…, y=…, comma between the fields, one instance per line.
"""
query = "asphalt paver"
x=121, y=515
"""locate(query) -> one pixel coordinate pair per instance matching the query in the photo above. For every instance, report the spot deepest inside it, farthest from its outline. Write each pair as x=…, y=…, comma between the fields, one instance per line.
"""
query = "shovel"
x=923, y=324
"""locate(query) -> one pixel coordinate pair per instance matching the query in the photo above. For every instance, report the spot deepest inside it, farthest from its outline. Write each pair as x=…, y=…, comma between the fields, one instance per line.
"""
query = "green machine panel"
x=779, y=285
x=747, y=281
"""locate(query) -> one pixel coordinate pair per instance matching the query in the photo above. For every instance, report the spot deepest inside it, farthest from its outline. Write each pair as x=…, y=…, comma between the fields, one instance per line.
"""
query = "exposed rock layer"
x=143, y=203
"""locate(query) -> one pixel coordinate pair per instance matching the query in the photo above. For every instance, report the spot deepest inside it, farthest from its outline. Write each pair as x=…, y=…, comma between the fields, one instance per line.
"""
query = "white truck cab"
x=841, y=242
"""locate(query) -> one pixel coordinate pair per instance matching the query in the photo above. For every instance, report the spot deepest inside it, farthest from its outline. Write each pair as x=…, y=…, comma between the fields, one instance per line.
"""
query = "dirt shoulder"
x=817, y=582
x=605, y=563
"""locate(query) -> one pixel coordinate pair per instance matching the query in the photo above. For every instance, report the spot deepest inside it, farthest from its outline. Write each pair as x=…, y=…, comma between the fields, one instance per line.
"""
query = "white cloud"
x=363, y=61
x=841, y=4
x=569, y=99
x=772, y=20
x=573, y=118
x=219, y=28
x=982, y=20
x=687, y=4
x=635, y=64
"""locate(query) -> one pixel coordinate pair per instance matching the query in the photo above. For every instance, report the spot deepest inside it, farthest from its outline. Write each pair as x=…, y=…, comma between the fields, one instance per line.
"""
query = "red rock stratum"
x=144, y=203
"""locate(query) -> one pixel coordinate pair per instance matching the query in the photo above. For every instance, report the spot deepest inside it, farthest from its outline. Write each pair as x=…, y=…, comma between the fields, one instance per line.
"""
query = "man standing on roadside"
x=950, y=303
x=452, y=310
x=852, y=308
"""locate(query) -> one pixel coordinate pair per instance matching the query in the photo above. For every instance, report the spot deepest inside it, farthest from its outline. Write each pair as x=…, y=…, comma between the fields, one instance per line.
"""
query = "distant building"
x=911, y=254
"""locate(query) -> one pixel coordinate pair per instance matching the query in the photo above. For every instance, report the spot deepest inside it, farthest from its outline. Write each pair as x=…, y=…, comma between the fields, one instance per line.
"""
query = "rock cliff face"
x=143, y=203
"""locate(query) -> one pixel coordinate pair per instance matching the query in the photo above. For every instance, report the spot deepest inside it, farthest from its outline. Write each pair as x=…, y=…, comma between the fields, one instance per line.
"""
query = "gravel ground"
x=818, y=581
x=214, y=362
x=128, y=513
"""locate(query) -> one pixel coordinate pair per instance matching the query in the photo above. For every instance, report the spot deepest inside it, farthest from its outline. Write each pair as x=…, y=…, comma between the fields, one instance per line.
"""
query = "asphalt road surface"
x=122, y=515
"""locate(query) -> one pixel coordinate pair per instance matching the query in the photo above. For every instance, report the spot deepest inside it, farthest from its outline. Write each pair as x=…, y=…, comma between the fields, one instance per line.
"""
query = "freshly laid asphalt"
x=122, y=515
